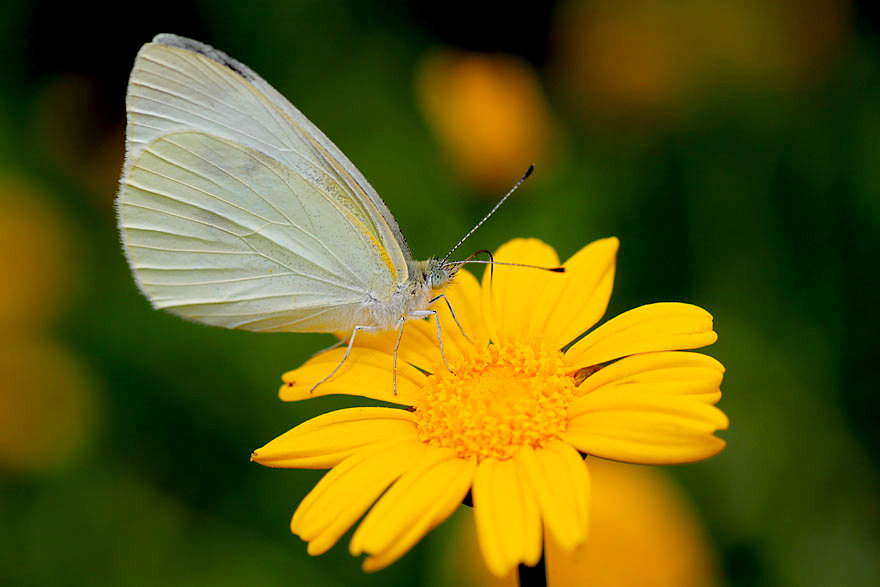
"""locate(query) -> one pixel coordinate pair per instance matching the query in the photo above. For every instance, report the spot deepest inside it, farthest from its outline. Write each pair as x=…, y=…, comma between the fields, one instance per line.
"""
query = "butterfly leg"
x=347, y=352
x=454, y=317
x=394, y=362
x=425, y=314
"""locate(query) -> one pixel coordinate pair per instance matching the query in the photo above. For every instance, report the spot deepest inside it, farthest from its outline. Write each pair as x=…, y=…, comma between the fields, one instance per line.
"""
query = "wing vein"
x=285, y=324
x=182, y=123
x=248, y=253
x=291, y=269
x=213, y=98
x=215, y=196
x=290, y=221
x=237, y=300
x=218, y=281
x=197, y=207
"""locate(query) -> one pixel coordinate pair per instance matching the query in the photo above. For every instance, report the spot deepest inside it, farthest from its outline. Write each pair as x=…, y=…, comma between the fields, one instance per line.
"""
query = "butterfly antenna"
x=492, y=263
x=470, y=259
x=492, y=211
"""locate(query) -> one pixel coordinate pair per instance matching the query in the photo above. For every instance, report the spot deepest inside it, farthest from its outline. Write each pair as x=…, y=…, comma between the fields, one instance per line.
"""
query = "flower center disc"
x=498, y=399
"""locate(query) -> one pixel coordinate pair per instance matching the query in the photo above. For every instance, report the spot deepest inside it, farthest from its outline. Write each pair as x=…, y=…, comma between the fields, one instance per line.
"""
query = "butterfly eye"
x=439, y=277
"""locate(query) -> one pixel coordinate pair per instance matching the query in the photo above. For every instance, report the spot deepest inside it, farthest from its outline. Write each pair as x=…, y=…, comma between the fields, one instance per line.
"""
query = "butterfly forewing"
x=235, y=210
x=176, y=88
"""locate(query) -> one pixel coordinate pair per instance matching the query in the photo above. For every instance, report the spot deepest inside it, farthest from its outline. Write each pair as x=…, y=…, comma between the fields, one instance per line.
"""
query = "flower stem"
x=533, y=576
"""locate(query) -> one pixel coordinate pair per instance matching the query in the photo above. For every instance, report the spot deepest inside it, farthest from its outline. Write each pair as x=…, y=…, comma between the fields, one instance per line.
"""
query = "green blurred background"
x=734, y=147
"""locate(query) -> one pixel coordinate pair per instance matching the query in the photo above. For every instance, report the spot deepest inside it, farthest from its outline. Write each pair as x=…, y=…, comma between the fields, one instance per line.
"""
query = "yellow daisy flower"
x=510, y=422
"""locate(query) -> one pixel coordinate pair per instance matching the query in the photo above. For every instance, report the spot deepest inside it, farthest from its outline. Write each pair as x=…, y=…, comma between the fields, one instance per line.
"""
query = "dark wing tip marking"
x=208, y=51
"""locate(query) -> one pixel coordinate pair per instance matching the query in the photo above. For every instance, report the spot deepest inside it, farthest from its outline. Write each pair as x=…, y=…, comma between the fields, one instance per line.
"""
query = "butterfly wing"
x=238, y=212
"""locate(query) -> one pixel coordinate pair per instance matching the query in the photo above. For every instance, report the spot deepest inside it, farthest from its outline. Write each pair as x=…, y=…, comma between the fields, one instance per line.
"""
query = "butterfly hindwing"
x=221, y=233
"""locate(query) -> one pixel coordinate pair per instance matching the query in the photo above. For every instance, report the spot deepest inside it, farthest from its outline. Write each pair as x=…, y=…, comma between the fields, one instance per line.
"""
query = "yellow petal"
x=672, y=372
x=347, y=490
x=507, y=518
x=610, y=401
x=366, y=372
x=511, y=294
x=644, y=427
x=573, y=303
x=324, y=441
x=664, y=326
x=364, y=538
x=420, y=500
x=558, y=478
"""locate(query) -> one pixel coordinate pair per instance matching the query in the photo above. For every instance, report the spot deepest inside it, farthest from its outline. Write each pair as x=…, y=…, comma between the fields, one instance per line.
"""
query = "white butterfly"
x=236, y=211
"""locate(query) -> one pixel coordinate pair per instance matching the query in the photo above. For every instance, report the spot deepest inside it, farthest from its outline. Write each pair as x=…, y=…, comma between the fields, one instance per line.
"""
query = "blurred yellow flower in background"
x=619, y=59
x=636, y=58
x=35, y=256
x=47, y=399
x=508, y=423
x=643, y=533
x=47, y=403
x=489, y=114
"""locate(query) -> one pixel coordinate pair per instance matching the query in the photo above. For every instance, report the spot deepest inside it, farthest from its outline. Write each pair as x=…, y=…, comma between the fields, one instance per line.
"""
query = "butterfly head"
x=436, y=274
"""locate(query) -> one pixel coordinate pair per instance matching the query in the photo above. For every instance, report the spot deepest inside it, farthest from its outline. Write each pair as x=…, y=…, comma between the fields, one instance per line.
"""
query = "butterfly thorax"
x=427, y=279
